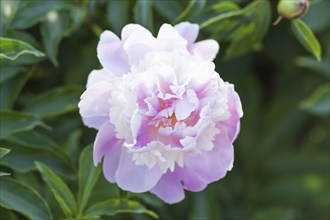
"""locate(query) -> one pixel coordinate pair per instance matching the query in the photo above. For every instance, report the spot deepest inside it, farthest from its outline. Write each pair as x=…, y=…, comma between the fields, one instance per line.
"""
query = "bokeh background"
x=281, y=168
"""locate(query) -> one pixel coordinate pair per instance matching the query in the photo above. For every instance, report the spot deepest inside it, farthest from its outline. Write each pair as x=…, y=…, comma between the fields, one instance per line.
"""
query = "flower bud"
x=291, y=9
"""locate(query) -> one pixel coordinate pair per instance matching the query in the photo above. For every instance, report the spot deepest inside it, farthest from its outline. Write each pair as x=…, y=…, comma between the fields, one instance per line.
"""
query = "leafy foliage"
x=281, y=171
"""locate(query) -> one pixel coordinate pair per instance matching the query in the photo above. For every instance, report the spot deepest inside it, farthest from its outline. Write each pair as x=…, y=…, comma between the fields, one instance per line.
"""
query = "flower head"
x=166, y=121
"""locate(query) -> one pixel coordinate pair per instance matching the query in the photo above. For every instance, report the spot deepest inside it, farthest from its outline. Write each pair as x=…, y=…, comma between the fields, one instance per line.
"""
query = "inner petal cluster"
x=173, y=116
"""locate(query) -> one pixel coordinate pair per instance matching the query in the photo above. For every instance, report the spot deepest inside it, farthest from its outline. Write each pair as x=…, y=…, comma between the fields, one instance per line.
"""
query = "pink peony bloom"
x=166, y=121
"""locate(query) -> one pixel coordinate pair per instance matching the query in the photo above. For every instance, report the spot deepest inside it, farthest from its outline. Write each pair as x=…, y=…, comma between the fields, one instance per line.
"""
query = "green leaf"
x=11, y=49
x=55, y=101
x=116, y=206
x=193, y=9
x=306, y=37
x=32, y=140
x=8, y=11
x=57, y=25
x=53, y=29
x=22, y=158
x=319, y=102
x=32, y=12
x=60, y=190
x=8, y=72
x=87, y=176
x=248, y=36
x=4, y=151
x=322, y=67
x=168, y=9
x=13, y=122
x=143, y=13
x=10, y=89
x=23, y=199
x=221, y=17
x=117, y=14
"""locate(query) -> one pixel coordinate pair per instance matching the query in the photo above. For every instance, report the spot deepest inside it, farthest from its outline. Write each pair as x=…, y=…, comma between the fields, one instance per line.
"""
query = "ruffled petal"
x=94, y=105
x=111, y=54
x=169, y=188
x=106, y=144
x=208, y=49
x=188, y=31
x=136, y=178
x=232, y=125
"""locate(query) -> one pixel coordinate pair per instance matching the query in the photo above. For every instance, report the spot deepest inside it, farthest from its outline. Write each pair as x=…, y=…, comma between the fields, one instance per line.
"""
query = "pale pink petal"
x=169, y=188
x=188, y=31
x=94, y=104
x=183, y=109
x=212, y=165
x=208, y=49
x=137, y=41
x=135, y=178
x=106, y=144
x=232, y=125
x=102, y=75
x=169, y=39
x=191, y=181
x=111, y=54
x=131, y=28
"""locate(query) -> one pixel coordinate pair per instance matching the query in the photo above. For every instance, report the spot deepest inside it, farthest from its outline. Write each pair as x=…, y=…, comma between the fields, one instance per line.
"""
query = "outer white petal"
x=102, y=75
x=94, y=104
x=188, y=31
x=208, y=49
x=111, y=54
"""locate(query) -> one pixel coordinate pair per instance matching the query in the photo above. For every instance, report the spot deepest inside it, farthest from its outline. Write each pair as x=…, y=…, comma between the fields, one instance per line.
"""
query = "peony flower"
x=166, y=121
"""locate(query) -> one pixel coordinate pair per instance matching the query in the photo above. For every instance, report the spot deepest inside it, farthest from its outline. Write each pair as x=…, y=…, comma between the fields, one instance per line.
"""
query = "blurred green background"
x=281, y=169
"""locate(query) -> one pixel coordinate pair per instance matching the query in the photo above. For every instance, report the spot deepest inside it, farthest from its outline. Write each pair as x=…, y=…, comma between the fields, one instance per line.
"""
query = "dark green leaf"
x=248, y=37
x=8, y=10
x=53, y=29
x=8, y=214
x=23, y=199
x=4, y=151
x=72, y=145
x=36, y=141
x=8, y=72
x=143, y=13
x=22, y=158
x=55, y=101
x=60, y=190
x=116, y=206
x=306, y=37
x=322, y=67
x=168, y=9
x=32, y=12
x=117, y=14
x=221, y=17
x=193, y=9
x=57, y=25
x=319, y=102
x=13, y=122
x=87, y=176
x=10, y=89
x=11, y=49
